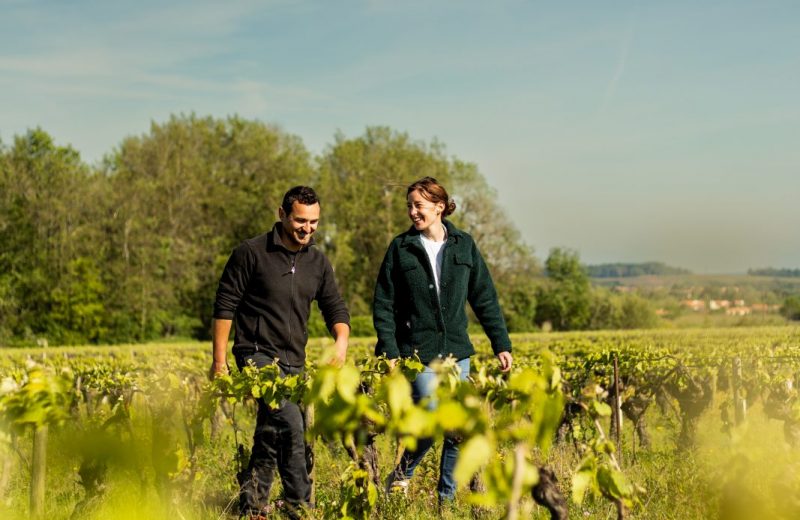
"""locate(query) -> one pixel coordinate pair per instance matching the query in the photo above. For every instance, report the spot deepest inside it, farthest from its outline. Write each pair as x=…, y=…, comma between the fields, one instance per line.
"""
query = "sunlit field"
x=710, y=428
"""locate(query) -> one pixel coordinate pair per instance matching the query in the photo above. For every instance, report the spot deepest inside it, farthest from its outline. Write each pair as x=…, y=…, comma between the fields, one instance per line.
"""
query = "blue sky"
x=629, y=131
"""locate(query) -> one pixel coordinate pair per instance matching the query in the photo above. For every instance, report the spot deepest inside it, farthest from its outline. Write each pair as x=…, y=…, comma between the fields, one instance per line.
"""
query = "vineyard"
x=656, y=424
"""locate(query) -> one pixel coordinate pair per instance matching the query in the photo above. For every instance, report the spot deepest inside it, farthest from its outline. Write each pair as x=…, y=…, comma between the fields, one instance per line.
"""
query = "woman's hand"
x=505, y=361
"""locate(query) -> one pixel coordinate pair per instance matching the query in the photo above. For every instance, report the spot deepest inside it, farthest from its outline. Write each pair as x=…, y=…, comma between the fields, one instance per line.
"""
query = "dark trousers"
x=279, y=443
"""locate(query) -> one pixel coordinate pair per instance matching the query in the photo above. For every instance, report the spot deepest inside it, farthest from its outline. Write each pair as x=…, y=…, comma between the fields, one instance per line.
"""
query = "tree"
x=133, y=249
x=183, y=196
x=791, y=307
x=511, y=261
x=48, y=212
x=615, y=311
x=519, y=306
x=363, y=185
x=8, y=302
x=565, y=299
x=637, y=313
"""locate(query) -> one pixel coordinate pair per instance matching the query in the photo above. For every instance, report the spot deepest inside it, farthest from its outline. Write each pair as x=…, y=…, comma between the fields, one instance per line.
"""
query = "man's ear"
x=281, y=214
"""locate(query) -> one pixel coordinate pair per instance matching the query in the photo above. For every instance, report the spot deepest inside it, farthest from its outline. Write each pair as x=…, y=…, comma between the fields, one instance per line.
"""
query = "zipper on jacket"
x=291, y=301
x=258, y=329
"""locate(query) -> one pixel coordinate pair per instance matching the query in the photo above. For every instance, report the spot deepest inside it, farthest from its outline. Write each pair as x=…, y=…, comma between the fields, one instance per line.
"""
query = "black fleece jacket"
x=267, y=290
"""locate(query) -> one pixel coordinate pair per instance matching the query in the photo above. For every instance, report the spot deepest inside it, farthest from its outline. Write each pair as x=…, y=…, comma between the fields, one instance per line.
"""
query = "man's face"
x=299, y=225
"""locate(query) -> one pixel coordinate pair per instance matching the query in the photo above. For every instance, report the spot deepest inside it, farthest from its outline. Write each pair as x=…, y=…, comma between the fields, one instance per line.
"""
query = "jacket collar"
x=274, y=240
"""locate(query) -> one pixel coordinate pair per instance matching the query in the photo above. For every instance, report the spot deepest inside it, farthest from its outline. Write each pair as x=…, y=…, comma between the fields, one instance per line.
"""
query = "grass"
x=678, y=485
x=750, y=472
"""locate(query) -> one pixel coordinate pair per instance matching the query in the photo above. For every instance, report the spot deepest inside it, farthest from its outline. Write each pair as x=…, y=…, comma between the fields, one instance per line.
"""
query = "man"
x=267, y=288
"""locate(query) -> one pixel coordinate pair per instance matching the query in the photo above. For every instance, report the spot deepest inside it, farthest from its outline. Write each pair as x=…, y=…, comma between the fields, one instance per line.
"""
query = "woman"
x=428, y=275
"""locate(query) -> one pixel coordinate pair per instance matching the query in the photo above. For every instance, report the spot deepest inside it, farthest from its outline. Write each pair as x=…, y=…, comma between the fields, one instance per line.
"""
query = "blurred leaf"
x=600, y=408
x=451, y=416
x=614, y=483
x=472, y=455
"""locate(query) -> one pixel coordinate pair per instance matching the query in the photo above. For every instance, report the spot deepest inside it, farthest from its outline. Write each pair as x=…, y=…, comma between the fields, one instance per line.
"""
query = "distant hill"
x=620, y=270
x=770, y=271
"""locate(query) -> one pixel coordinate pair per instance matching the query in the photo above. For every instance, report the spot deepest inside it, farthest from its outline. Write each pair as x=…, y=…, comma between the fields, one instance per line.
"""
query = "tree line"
x=131, y=249
x=623, y=270
x=771, y=271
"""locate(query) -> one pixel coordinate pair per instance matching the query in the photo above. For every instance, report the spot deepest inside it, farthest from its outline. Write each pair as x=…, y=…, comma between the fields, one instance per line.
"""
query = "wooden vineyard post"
x=38, y=470
x=739, y=402
x=516, y=483
x=617, y=416
x=311, y=466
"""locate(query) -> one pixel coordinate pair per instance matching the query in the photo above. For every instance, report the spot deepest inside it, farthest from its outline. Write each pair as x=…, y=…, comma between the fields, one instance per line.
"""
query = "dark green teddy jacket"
x=409, y=317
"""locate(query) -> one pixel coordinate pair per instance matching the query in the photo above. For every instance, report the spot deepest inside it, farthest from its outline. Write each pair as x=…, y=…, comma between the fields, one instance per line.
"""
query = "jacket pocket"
x=408, y=266
x=412, y=276
x=461, y=270
x=464, y=261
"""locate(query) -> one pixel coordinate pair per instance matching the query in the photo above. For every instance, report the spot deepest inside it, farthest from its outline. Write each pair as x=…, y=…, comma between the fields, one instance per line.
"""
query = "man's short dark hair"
x=301, y=194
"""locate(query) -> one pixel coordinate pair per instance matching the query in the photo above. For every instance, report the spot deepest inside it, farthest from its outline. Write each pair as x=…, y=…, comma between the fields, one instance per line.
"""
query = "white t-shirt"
x=435, y=252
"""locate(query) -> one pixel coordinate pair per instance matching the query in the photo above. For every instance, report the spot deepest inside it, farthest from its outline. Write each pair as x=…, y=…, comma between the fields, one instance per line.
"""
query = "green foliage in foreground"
x=148, y=437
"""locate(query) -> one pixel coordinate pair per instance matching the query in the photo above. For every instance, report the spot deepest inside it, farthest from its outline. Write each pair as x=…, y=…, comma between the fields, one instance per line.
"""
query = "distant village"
x=688, y=299
x=730, y=307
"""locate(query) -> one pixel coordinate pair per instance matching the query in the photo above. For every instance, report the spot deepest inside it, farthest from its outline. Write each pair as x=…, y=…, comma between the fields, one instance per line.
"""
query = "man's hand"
x=505, y=361
x=217, y=369
x=341, y=335
x=221, y=329
x=338, y=353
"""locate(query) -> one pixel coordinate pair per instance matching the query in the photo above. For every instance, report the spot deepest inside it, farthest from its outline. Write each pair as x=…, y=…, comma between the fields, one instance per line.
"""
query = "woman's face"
x=422, y=212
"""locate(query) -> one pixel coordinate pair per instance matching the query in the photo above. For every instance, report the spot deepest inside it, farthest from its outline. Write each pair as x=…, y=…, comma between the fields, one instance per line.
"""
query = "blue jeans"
x=425, y=386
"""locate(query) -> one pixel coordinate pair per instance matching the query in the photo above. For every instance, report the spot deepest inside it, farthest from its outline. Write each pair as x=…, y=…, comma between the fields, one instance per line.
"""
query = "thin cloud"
x=119, y=53
x=619, y=71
